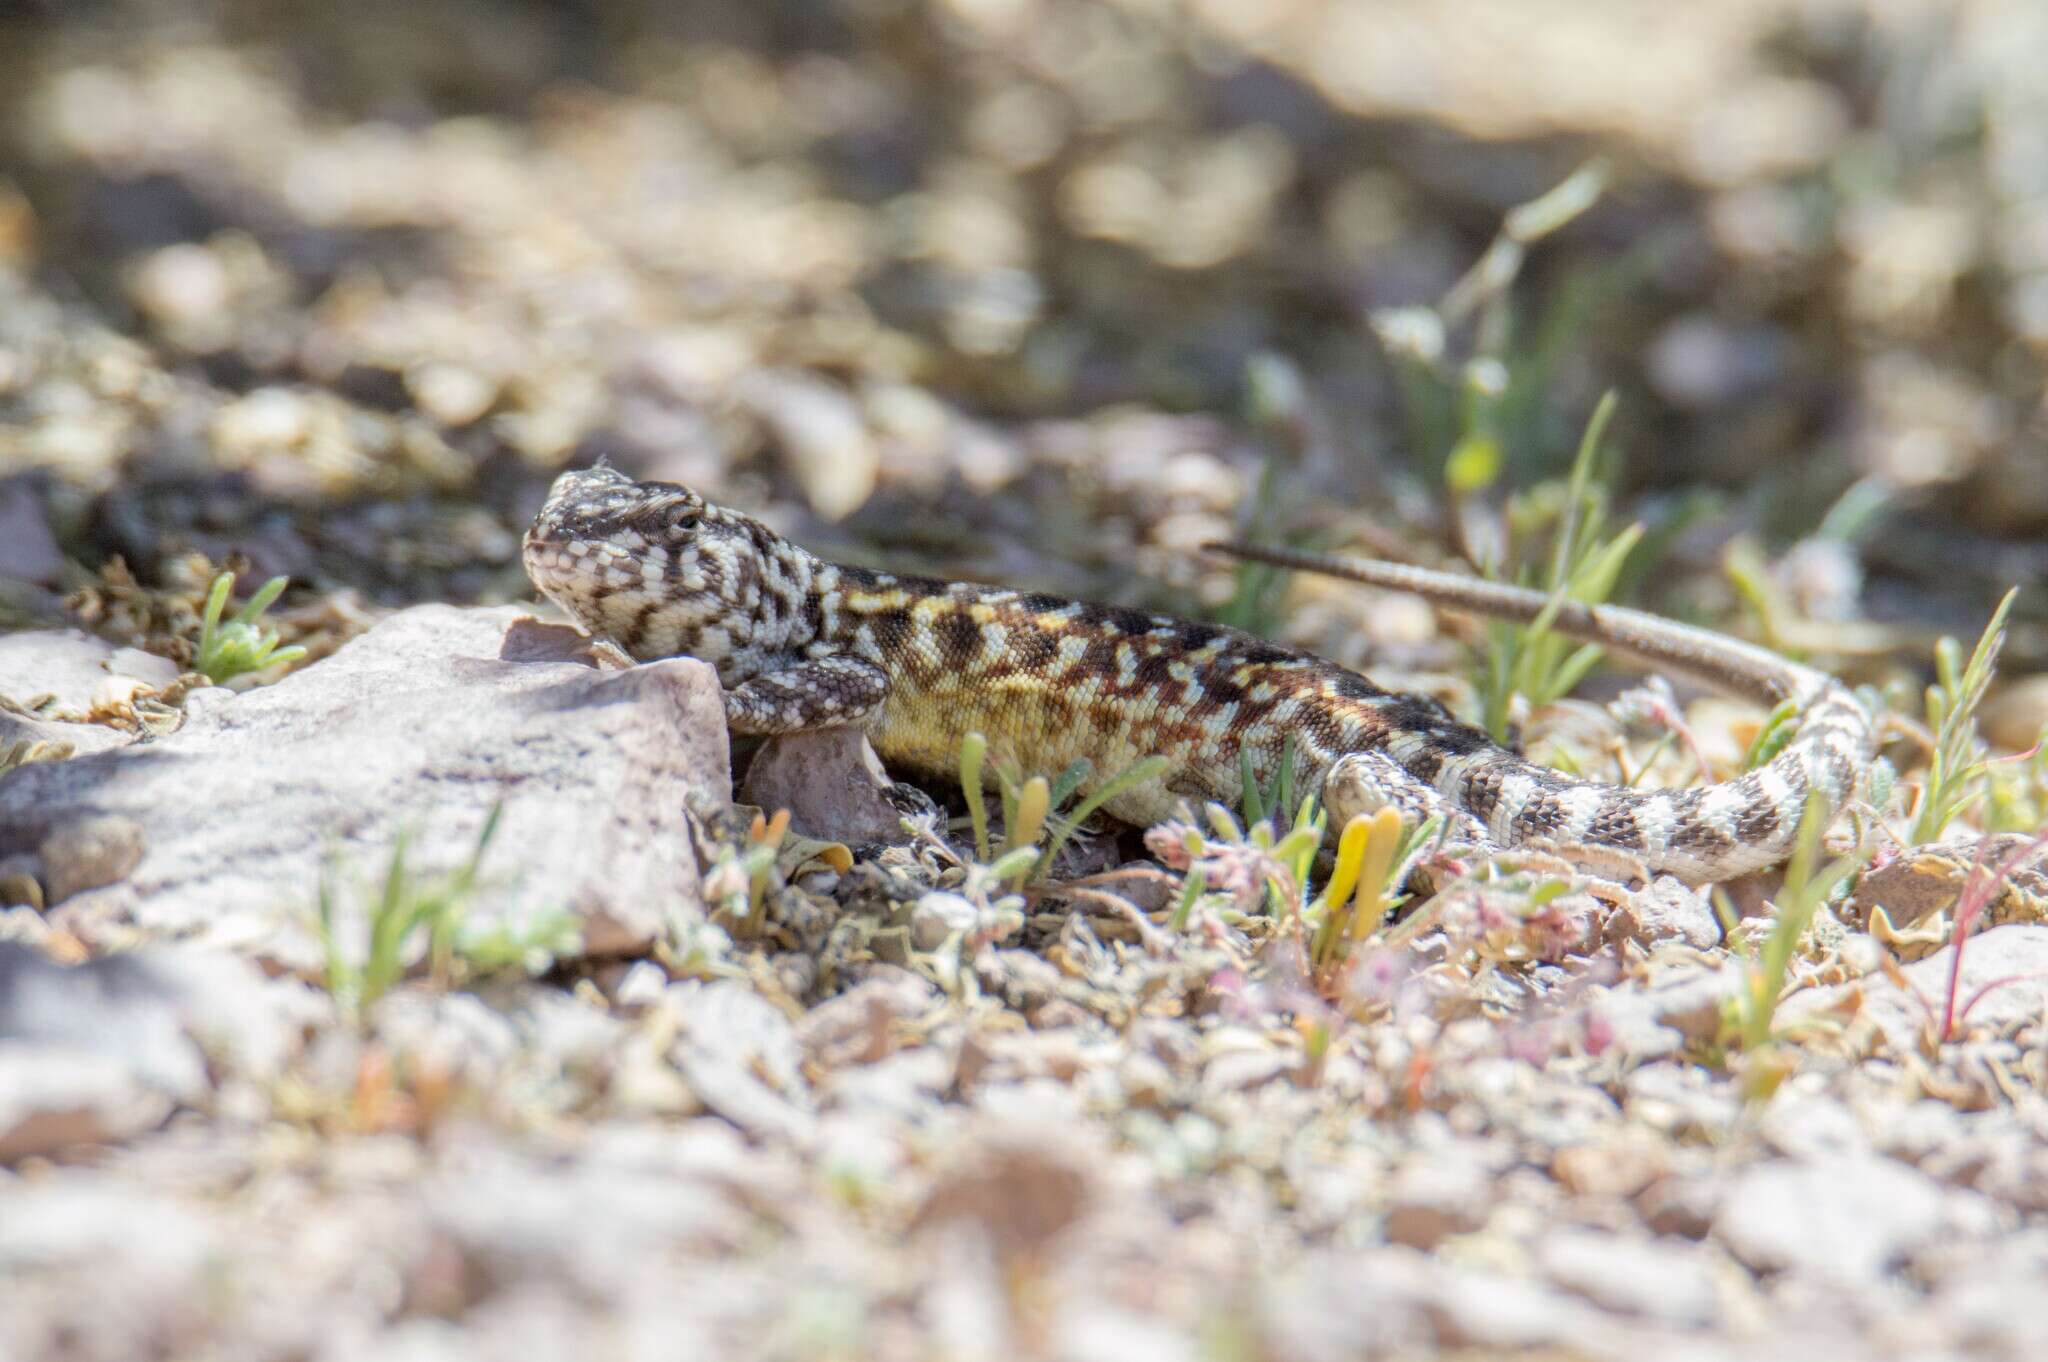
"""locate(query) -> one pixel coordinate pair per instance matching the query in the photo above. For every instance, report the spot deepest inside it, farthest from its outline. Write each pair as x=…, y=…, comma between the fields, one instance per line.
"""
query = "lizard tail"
x=1706, y=833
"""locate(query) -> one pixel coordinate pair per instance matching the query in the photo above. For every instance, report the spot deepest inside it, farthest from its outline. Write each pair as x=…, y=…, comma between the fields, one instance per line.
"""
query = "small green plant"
x=1277, y=411
x=2017, y=798
x=738, y=884
x=764, y=843
x=973, y=756
x=1779, y=727
x=1032, y=805
x=1749, y=572
x=1957, y=771
x=242, y=644
x=1470, y=420
x=1193, y=885
x=1253, y=801
x=1256, y=593
x=1374, y=854
x=1533, y=660
x=407, y=904
x=1749, y=1019
x=1255, y=866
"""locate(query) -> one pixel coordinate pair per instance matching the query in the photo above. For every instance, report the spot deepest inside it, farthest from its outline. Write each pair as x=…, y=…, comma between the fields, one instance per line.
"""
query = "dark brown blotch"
x=959, y=638
x=1616, y=826
x=1152, y=669
x=1541, y=816
x=1481, y=795
x=1758, y=821
x=1259, y=653
x=637, y=630
x=890, y=626
x=1120, y=619
x=1699, y=837
x=1032, y=649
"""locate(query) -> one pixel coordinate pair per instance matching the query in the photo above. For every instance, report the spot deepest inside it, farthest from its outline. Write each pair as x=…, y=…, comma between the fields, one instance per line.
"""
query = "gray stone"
x=1324, y=1307
x=159, y=1011
x=1847, y=1218
x=1810, y=1125
x=938, y=915
x=1437, y=1193
x=1680, y=1099
x=1915, y=1132
x=1633, y=1276
x=120, y=1008
x=98, y=1052
x=585, y=1223
x=72, y=667
x=640, y=986
x=1670, y=910
x=28, y=548
x=1698, y=360
x=68, y=739
x=1625, y=1021
x=740, y=1056
x=1988, y=1294
x=421, y=726
x=81, y=1219
x=52, y=1100
x=831, y=782
x=88, y=853
x=857, y=1025
x=1491, y=1313
x=1690, y=1001
x=1244, y=1070
x=1095, y=1331
x=821, y=435
x=1682, y=1207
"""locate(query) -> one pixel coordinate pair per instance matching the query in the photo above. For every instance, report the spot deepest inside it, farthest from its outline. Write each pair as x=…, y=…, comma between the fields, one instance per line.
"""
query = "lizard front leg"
x=816, y=693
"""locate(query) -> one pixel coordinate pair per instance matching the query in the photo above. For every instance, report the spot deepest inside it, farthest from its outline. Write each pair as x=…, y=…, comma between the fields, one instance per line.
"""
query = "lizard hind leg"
x=1366, y=782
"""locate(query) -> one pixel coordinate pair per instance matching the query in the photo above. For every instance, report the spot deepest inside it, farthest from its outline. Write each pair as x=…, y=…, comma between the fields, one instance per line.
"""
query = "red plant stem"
x=2001, y=982
x=1966, y=917
x=1970, y=905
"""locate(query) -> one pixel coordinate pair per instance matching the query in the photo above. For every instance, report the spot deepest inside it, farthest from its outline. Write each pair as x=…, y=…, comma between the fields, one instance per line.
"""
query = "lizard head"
x=659, y=570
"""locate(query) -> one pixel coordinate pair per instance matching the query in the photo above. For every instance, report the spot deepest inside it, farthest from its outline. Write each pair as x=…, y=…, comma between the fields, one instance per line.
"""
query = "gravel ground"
x=1045, y=292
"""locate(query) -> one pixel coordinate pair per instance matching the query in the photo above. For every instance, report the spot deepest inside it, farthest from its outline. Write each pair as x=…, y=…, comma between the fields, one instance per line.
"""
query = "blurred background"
x=1045, y=291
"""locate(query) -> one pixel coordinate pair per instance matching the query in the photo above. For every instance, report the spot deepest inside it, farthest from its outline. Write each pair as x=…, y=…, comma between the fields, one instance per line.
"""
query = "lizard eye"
x=685, y=518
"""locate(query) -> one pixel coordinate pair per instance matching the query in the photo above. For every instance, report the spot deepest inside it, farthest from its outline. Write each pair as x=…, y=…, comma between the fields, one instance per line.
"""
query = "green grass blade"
x=262, y=600
x=1249, y=803
x=1132, y=776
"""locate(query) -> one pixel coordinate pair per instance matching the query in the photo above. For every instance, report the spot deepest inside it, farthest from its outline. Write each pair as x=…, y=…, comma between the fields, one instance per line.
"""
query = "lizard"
x=802, y=643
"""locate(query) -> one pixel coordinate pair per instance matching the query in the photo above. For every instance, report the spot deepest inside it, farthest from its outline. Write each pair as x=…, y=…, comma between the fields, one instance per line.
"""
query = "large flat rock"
x=72, y=668
x=420, y=727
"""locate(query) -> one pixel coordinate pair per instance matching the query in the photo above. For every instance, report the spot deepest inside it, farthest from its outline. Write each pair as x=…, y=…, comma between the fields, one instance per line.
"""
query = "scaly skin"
x=801, y=643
